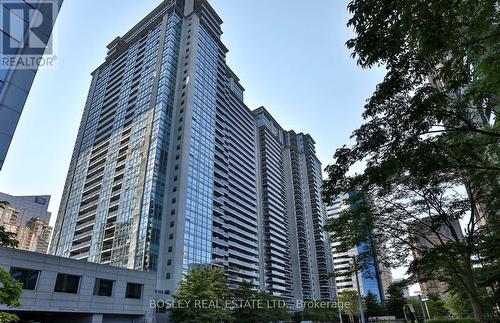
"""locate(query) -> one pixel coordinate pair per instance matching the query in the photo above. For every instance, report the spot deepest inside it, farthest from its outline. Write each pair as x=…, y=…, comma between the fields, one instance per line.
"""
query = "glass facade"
x=155, y=182
x=7, y=37
x=172, y=171
x=200, y=181
x=4, y=72
x=15, y=83
x=111, y=210
x=370, y=278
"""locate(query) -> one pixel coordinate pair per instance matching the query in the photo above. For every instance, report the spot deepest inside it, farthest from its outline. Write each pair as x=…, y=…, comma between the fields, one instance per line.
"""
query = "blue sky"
x=290, y=56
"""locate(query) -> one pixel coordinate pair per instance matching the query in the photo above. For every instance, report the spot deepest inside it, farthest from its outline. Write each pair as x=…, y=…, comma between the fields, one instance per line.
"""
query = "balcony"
x=80, y=246
x=80, y=236
x=85, y=225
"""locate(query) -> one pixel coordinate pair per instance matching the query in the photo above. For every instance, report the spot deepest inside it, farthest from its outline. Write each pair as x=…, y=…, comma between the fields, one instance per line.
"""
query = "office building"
x=35, y=206
x=374, y=277
x=26, y=28
x=61, y=290
x=172, y=171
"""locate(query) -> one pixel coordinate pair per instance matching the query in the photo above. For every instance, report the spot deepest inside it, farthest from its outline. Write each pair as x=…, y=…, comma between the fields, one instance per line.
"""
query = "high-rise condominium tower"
x=311, y=259
x=172, y=171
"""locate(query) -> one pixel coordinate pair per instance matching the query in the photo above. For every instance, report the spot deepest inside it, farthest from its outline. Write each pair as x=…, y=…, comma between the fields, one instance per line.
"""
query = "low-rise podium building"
x=61, y=290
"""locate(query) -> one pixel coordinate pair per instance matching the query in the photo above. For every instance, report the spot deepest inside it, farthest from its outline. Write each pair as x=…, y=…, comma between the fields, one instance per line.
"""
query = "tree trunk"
x=471, y=290
x=476, y=306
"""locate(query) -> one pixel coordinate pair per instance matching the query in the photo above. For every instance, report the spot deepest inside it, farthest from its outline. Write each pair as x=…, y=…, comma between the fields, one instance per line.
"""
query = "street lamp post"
x=338, y=305
x=427, y=310
x=360, y=304
x=422, y=304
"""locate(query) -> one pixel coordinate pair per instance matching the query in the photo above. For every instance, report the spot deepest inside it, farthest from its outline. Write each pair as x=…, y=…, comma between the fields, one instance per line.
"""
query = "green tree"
x=373, y=307
x=395, y=300
x=207, y=292
x=430, y=140
x=245, y=293
x=255, y=306
x=458, y=305
x=348, y=301
x=10, y=289
x=318, y=311
x=8, y=239
x=273, y=309
x=437, y=306
x=8, y=318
